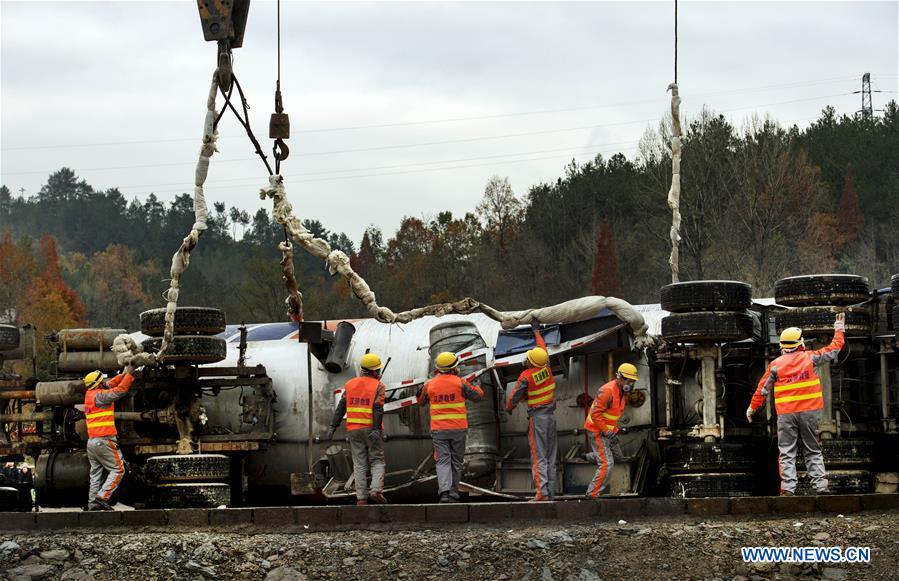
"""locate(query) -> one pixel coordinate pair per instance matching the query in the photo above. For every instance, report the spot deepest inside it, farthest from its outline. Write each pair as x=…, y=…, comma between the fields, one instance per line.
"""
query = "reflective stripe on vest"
x=447, y=403
x=541, y=387
x=100, y=421
x=360, y=399
x=798, y=387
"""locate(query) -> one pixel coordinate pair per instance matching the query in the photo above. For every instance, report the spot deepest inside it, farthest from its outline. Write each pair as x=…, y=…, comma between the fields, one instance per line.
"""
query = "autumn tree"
x=501, y=210
x=605, y=281
x=851, y=223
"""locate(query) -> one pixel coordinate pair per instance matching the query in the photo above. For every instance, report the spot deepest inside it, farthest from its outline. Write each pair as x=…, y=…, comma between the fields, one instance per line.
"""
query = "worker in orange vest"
x=538, y=384
x=446, y=393
x=602, y=423
x=363, y=404
x=798, y=401
x=102, y=443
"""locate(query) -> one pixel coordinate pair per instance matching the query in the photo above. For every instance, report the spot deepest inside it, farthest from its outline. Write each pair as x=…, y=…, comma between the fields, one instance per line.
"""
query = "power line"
x=795, y=84
x=447, y=141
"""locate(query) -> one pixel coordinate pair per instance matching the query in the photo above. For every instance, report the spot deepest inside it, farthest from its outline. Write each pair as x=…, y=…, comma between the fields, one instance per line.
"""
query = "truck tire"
x=711, y=326
x=844, y=452
x=820, y=319
x=9, y=337
x=699, y=456
x=821, y=289
x=189, y=468
x=189, y=349
x=711, y=485
x=894, y=285
x=896, y=318
x=189, y=495
x=706, y=295
x=188, y=321
x=838, y=482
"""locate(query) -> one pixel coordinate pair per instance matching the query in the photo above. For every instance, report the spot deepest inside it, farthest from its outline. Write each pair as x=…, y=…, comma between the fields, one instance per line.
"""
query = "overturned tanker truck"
x=238, y=414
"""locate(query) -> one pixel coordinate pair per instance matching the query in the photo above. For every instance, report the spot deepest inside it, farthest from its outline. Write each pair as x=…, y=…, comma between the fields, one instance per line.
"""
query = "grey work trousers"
x=791, y=430
x=606, y=450
x=449, y=447
x=542, y=437
x=367, y=456
x=105, y=457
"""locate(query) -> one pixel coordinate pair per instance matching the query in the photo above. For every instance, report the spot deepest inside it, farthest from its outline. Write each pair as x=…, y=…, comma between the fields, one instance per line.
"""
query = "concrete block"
x=879, y=501
x=490, y=512
x=664, y=506
x=317, y=518
x=192, y=518
x=403, y=513
x=531, y=511
x=707, y=506
x=57, y=520
x=792, y=504
x=446, y=513
x=749, y=505
x=276, y=516
x=100, y=519
x=360, y=515
x=230, y=517
x=839, y=504
x=17, y=521
x=144, y=518
x=618, y=508
x=575, y=510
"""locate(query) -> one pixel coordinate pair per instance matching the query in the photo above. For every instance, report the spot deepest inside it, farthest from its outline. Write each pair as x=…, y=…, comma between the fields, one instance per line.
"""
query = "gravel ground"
x=641, y=549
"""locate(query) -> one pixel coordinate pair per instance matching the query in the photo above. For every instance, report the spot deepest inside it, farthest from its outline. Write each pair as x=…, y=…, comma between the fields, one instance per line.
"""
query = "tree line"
x=758, y=202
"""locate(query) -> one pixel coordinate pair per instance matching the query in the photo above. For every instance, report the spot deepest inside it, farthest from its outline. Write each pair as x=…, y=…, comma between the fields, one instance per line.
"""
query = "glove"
x=374, y=436
x=331, y=431
x=749, y=413
x=840, y=323
x=535, y=325
x=129, y=369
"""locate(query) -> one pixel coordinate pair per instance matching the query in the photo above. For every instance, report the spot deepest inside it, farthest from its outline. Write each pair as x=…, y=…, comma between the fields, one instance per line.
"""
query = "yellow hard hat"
x=446, y=361
x=93, y=379
x=538, y=357
x=791, y=338
x=628, y=371
x=371, y=362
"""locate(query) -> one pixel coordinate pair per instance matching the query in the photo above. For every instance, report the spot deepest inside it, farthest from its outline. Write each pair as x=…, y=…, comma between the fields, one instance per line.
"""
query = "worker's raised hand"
x=840, y=323
x=129, y=369
x=749, y=413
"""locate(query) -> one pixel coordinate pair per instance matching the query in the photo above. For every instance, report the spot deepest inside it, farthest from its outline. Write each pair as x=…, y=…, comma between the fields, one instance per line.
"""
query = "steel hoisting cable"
x=675, y=42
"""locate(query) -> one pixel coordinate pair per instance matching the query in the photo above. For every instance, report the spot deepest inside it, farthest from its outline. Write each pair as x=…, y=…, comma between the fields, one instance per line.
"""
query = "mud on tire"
x=706, y=295
x=706, y=485
x=820, y=319
x=838, y=482
x=189, y=495
x=188, y=321
x=711, y=326
x=189, y=349
x=821, y=289
x=189, y=468
x=700, y=456
x=9, y=337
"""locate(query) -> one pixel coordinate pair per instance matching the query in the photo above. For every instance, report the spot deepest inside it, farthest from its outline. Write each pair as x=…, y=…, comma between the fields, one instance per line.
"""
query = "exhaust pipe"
x=336, y=361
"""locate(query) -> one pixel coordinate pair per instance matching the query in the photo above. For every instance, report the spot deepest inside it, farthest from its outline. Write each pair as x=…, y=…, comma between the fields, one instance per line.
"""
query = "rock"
x=31, y=571
x=208, y=552
x=622, y=522
x=171, y=556
x=285, y=574
x=9, y=546
x=207, y=571
x=821, y=536
x=79, y=556
x=560, y=537
x=587, y=575
x=76, y=574
x=644, y=531
x=546, y=575
x=349, y=561
x=266, y=564
x=537, y=544
x=834, y=574
x=442, y=561
x=32, y=560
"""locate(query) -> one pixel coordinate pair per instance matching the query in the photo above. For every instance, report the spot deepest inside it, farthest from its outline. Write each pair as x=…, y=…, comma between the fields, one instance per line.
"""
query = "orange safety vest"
x=100, y=421
x=798, y=387
x=541, y=386
x=361, y=393
x=447, y=403
x=606, y=409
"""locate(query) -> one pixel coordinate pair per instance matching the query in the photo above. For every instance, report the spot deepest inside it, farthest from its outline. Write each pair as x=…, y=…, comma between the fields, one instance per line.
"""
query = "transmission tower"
x=867, y=108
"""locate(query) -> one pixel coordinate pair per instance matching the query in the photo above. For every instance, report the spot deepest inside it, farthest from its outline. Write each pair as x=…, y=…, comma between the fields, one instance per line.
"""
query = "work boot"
x=786, y=493
x=445, y=498
x=361, y=502
x=377, y=497
x=823, y=492
x=100, y=504
x=454, y=494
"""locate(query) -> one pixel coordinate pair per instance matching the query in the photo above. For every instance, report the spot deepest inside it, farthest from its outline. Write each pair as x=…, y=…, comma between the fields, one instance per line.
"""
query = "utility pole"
x=867, y=110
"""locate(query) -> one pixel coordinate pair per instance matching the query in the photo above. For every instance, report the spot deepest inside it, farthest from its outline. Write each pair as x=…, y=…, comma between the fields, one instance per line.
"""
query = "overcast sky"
x=116, y=91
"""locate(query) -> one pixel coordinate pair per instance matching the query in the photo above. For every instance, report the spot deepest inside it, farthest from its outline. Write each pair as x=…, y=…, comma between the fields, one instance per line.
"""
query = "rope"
x=339, y=263
x=674, y=192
